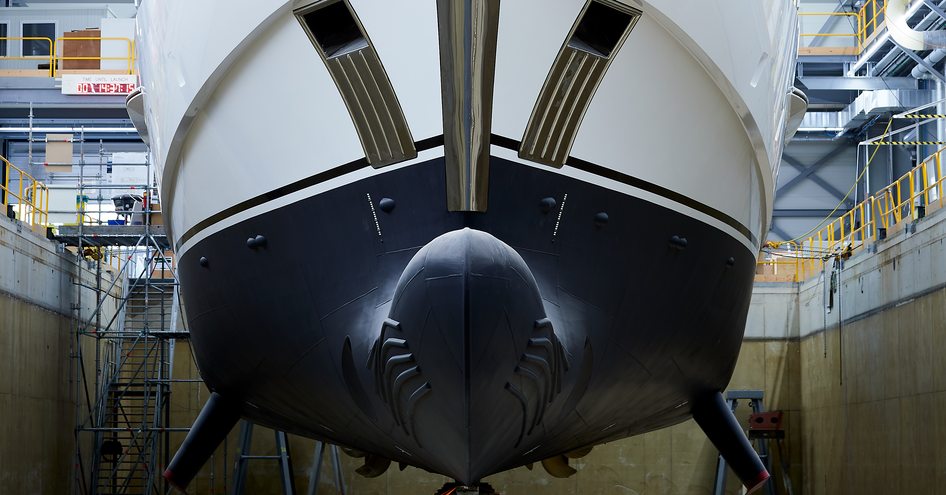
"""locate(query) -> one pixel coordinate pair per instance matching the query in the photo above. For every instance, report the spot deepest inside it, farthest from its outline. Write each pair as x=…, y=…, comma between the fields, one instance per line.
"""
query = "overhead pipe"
x=937, y=55
x=887, y=59
x=68, y=130
x=933, y=58
x=907, y=37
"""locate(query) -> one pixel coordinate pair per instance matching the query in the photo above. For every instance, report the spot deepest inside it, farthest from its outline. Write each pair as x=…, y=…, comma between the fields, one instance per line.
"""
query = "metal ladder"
x=761, y=445
x=285, y=463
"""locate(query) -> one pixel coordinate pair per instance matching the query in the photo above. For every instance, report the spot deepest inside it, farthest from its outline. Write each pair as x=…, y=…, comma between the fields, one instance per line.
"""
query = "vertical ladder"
x=761, y=445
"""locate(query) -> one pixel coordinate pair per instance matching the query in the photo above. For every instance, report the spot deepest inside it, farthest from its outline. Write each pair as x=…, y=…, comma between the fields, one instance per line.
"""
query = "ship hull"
x=369, y=254
x=647, y=305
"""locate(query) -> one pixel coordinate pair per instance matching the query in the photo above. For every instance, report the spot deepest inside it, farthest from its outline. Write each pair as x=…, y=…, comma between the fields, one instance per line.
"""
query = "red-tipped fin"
x=757, y=483
x=169, y=475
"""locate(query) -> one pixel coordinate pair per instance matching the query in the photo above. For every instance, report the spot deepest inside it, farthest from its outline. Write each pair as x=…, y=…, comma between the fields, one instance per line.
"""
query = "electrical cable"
x=851, y=190
x=855, y=28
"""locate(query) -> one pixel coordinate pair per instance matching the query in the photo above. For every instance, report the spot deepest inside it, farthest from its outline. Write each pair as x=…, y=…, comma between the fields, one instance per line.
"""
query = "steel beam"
x=806, y=213
x=840, y=83
x=779, y=232
x=809, y=173
x=22, y=97
x=935, y=8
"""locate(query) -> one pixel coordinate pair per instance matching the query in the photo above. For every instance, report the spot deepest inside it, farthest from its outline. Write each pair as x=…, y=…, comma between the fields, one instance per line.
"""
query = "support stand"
x=282, y=456
x=316, y=471
x=285, y=464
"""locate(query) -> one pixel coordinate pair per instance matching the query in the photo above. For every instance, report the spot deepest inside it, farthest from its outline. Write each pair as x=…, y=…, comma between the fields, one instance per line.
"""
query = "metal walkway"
x=112, y=235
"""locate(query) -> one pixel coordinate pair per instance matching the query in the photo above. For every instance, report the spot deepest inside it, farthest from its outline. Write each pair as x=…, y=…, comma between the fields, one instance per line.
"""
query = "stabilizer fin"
x=718, y=422
x=215, y=421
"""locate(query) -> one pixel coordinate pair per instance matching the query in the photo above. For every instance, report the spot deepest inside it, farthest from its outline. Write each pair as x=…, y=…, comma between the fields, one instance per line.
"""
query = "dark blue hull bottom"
x=608, y=317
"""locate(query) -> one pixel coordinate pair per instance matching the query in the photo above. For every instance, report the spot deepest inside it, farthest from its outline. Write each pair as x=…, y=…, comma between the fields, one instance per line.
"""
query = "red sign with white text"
x=94, y=84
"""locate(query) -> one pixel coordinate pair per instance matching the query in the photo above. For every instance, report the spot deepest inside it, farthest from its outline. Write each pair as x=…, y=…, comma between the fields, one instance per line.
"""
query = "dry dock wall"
x=37, y=405
x=874, y=369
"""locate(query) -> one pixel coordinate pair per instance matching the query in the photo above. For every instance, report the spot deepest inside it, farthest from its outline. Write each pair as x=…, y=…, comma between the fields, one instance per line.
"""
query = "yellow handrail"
x=869, y=19
x=32, y=196
x=855, y=30
x=55, y=59
x=902, y=200
x=129, y=58
x=48, y=58
x=871, y=15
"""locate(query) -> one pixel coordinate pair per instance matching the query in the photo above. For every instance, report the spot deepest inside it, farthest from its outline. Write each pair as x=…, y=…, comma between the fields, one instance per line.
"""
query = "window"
x=38, y=48
x=335, y=29
x=600, y=29
x=3, y=42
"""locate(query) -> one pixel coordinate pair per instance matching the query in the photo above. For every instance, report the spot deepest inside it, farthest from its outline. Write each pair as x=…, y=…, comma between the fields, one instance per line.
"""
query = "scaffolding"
x=122, y=350
x=123, y=387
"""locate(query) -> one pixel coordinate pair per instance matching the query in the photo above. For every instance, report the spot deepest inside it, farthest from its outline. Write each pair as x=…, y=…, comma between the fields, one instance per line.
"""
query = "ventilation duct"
x=868, y=105
x=907, y=37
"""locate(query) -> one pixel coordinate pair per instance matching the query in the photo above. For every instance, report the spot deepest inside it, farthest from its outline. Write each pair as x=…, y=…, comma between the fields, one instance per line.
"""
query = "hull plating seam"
x=643, y=185
x=501, y=141
x=468, y=343
x=312, y=180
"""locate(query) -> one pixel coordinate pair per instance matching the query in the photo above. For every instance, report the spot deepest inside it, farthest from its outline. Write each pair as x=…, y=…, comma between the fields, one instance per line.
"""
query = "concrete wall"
x=873, y=376
x=37, y=393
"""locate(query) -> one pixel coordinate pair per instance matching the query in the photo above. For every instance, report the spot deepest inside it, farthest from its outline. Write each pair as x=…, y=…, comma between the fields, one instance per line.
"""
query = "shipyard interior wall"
x=39, y=284
x=873, y=377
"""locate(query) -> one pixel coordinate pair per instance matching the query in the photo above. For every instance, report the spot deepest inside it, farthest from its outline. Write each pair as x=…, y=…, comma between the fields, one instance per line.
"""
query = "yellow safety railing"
x=42, y=58
x=870, y=18
x=905, y=200
x=56, y=58
x=31, y=196
x=784, y=266
x=854, y=20
x=911, y=195
x=129, y=57
x=864, y=24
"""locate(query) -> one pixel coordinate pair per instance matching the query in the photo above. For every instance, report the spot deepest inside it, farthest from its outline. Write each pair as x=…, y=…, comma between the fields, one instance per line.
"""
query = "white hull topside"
x=694, y=101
